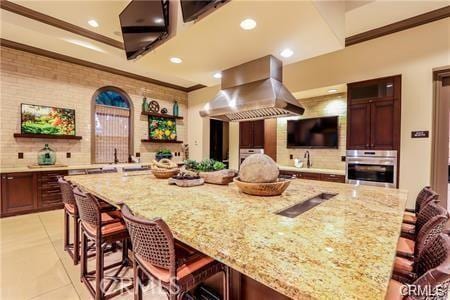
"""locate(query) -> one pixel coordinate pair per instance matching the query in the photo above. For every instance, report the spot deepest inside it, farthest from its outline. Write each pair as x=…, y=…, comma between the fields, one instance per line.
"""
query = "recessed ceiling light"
x=217, y=75
x=287, y=53
x=248, y=24
x=93, y=23
x=176, y=60
x=158, y=20
x=332, y=91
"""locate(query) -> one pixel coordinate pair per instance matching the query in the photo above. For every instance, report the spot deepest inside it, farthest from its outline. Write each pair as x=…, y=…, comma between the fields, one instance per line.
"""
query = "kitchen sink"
x=301, y=207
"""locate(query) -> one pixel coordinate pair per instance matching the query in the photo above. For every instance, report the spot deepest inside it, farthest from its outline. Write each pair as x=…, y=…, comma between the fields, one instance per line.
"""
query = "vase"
x=46, y=156
x=144, y=105
x=175, y=109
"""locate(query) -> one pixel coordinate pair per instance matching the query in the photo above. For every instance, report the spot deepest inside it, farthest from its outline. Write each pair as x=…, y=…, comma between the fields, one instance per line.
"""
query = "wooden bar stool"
x=426, y=213
x=70, y=211
x=425, y=196
x=102, y=229
x=432, y=273
x=177, y=267
x=409, y=251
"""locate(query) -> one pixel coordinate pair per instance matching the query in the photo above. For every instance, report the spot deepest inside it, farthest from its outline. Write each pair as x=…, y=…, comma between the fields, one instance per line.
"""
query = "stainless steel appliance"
x=244, y=153
x=252, y=91
x=370, y=167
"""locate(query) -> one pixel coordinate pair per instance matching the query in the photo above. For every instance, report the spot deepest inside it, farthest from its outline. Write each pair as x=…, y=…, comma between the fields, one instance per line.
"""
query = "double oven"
x=369, y=167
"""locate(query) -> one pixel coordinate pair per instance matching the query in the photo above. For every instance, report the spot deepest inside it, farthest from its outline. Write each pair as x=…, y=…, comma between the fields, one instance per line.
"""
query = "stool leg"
x=99, y=270
x=137, y=282
x=83, y=267
x=66, y=230
x=76, y=240
x=226, y=283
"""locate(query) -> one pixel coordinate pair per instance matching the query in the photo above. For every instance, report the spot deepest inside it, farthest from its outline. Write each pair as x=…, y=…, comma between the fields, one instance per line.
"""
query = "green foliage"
x=164, y=151
x=206, y=165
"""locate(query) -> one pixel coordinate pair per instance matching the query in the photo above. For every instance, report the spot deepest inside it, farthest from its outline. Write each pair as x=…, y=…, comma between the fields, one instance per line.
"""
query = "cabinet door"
x=246, y=134
x=19, y=193
x=358, y=126
x=258, y=134
x=382, y=125
x=375, y=89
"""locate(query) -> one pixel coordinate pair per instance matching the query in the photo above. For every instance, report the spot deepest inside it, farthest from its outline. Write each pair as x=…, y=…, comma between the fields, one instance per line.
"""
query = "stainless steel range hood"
x=253, y=91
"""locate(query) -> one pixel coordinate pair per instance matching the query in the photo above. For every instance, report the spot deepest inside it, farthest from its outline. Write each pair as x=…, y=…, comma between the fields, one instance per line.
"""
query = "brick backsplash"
x=34, y=79
x=333, y=105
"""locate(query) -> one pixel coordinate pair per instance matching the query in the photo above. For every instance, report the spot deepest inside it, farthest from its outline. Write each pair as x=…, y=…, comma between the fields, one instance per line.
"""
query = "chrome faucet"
x=308, y=159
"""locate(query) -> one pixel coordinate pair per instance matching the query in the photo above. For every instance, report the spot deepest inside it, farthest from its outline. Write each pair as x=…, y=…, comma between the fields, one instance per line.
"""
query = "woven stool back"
x=425, y=196
x=152, y=240
x=88, y=207
x=429, y=211
x=432, y=228
x=66, y=191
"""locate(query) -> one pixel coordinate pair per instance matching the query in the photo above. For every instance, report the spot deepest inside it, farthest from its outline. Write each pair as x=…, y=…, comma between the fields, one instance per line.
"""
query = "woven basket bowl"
x=262, y=189
x=165, y=173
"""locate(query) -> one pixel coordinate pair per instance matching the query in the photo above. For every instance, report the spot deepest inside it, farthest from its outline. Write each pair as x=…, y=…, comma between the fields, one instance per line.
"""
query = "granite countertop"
x=69, y=167
x=312, y=170
x=342, y=249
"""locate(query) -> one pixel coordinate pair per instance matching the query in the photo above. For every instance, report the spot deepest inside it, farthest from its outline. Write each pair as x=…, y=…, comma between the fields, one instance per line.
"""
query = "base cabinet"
x=315, y=176
x=29, y=192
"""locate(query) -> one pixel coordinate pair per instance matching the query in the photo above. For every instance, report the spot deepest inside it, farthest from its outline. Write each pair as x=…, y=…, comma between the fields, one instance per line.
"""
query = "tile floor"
x=35, y=266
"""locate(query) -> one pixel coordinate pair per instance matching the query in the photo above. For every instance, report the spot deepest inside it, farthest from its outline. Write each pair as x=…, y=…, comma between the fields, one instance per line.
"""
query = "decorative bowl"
x=263, y=189
x=164, y=173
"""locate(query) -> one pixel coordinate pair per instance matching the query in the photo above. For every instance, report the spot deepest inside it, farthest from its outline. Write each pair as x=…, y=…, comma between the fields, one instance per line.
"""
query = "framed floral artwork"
x=164, y=129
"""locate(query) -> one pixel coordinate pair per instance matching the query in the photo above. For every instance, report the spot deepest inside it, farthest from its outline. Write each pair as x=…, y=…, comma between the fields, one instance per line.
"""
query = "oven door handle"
x=367, y=162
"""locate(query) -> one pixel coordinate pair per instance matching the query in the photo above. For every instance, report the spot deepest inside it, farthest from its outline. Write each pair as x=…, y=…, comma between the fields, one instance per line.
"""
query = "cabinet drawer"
x=310, y=176
x=333, y=178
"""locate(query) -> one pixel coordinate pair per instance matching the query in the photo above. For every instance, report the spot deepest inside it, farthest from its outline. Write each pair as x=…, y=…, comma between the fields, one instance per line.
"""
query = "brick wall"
x=335, y=105
x=34, y=79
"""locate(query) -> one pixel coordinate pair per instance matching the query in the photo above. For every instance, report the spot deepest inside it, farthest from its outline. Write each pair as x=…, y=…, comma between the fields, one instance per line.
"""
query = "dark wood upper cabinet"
x=358, y=127
x=258, y=134
x=251, y=134
x=18, y=192
x=373, y=114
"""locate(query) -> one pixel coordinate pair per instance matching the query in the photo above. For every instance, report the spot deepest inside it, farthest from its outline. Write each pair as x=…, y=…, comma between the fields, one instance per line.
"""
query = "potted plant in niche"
x=211, y=170
x=163, y=153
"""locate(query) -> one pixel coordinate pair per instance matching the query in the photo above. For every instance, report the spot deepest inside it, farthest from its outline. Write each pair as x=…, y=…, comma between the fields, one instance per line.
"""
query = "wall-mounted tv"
x=144, y=24
x=192, y=9
x=313, y=133
x=39, y=119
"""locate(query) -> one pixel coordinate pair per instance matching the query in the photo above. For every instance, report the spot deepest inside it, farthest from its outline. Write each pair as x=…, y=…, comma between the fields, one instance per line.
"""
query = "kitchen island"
x=343, y=248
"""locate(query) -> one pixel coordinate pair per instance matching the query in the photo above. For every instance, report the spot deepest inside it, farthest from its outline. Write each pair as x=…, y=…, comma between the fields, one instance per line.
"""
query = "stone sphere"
x=258, y=168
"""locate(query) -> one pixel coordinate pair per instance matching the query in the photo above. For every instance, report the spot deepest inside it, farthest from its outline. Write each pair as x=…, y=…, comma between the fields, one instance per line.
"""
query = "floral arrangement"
x=162, y=128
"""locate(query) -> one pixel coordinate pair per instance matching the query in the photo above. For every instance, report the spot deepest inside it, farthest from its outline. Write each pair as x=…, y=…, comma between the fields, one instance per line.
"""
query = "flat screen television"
x=143, y=24
x=40, y=119
x=192, y=9
x=313, y=133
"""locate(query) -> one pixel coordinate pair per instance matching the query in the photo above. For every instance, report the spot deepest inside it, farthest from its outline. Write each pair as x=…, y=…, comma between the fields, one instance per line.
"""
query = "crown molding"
x=69, y=59
x=418, y=20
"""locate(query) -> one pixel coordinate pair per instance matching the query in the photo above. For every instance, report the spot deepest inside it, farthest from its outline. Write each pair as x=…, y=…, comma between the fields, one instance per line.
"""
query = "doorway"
x=219, y=140
x=440, y=177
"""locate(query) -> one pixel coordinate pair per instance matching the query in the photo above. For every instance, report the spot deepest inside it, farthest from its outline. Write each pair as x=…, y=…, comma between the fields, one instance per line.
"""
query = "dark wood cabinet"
x=315, y=176
x=251, y=134
x=18, y=193
x=28, y=192
x=373, y=114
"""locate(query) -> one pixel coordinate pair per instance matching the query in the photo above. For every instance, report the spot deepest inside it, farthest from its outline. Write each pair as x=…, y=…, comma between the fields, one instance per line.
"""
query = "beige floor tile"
x=28, y=272
x=53, y=222
x=65, y=293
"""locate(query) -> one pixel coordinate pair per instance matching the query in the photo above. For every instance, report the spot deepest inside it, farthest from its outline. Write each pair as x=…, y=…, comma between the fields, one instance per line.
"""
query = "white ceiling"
x=214, y=43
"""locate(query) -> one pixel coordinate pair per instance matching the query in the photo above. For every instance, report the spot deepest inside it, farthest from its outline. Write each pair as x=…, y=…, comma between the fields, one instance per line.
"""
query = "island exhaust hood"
x=253, y=91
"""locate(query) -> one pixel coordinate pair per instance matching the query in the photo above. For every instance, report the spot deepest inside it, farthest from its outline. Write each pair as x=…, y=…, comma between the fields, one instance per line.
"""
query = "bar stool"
x=432, y=272
x=409, y=251
x=425, y=196
x=176, y=266
x=102, y=229
x=70, y=210
x=426, y=213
